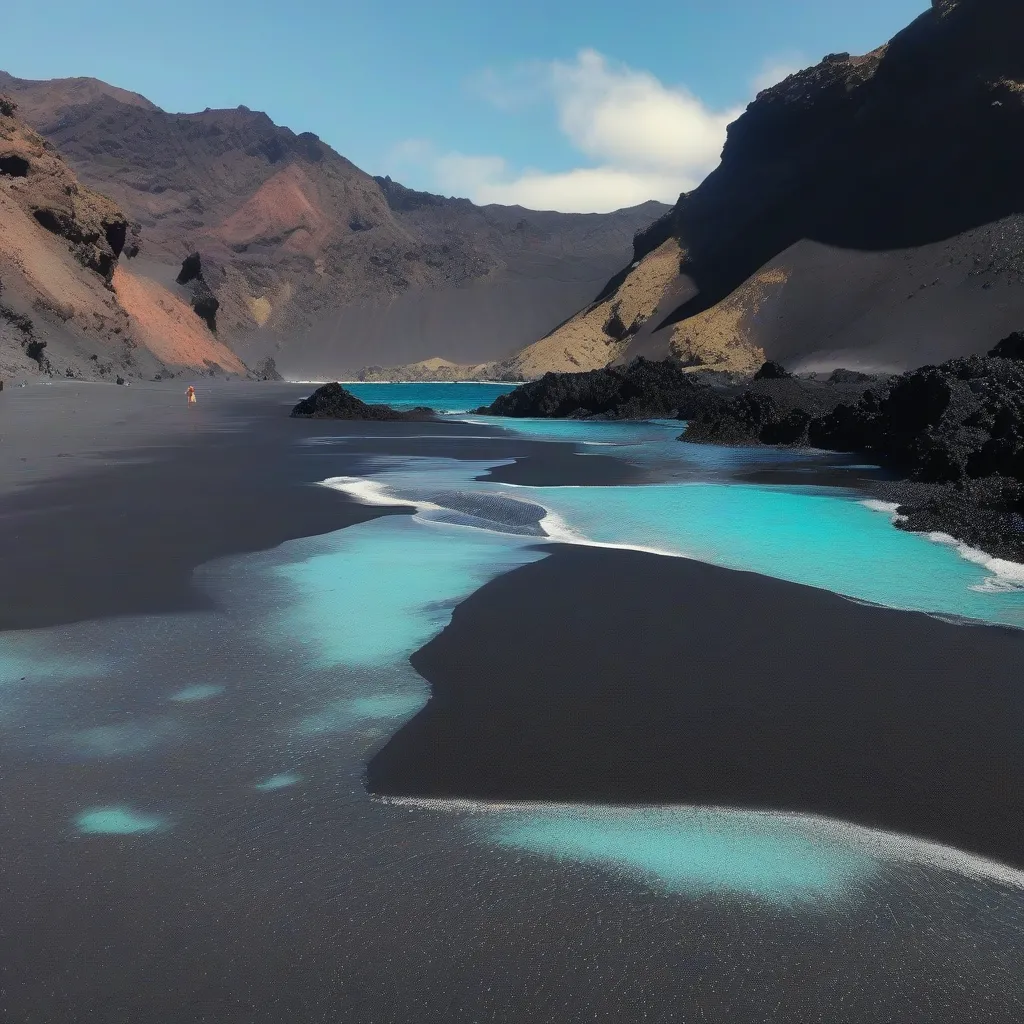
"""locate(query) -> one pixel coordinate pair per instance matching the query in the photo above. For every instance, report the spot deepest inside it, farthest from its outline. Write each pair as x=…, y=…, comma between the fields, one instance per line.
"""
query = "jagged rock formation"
x=866, y=212
x=641, y=390
x=777, y=407
x=333, y=402
x=956, y=431
x=59, y=245
x=201, y=297
x=68, y=305
x=266, y=369
x=313, y=261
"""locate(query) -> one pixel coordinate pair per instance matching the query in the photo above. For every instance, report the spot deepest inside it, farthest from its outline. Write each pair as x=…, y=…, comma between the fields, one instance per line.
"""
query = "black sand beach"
x=110, y=497
x=315, y=903
x=614, y=676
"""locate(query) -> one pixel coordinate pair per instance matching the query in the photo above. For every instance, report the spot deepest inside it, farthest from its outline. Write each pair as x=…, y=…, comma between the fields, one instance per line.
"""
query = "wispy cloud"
x=775, y=70
x=639, y=138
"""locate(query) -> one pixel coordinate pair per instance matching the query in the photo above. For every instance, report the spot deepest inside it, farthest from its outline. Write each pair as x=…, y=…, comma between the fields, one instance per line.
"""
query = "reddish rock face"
x=47, y=189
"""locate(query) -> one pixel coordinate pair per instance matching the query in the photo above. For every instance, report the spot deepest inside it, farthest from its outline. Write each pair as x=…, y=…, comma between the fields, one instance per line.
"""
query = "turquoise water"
x=451, y=398
x=827, y=539
x=275, y=782
x=697, y=852
x=118, y=821
x=386, y=587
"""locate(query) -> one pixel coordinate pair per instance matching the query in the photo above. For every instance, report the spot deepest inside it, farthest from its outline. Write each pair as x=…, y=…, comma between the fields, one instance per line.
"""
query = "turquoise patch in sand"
x=118, y=821
x=353, y=713
x=194, y=694
x=384, y=588
x=696, y=852
x=282, y=781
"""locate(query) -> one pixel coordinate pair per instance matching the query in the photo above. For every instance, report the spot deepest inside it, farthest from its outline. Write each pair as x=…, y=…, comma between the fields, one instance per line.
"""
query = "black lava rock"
x=772, y=371
x=641, y=390
x=1011, y=347
x=333, y=402
x=777, y=409
x=955, y=431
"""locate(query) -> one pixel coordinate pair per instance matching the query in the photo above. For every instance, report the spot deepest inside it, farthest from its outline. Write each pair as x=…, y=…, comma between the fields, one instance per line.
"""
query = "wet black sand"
x=314, y=903
x=616, y=676
x=116, y=510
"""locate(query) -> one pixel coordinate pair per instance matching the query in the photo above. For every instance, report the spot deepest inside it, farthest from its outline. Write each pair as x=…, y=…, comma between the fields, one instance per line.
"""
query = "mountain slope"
x=66, y=304
x=312, y=260
x=866, y=212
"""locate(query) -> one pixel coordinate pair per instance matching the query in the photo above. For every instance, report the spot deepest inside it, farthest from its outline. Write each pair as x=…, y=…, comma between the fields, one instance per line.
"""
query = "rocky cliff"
x=866, y=212
x=312, y=261
x=67, y=305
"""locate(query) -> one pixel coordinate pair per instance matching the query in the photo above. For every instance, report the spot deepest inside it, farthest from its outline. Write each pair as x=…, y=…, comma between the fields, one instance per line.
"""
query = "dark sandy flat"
x=110, y=497
x=593, y=672
x=614, y=676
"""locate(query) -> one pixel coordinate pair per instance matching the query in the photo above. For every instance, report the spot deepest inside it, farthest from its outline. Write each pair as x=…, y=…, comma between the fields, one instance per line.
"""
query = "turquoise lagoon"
x=446, y=398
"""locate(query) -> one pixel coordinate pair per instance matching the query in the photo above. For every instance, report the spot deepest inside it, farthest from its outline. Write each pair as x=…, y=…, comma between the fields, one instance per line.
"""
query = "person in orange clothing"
x=191, y=395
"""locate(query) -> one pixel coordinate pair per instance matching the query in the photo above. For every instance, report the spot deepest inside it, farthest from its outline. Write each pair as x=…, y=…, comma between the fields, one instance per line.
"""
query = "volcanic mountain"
x=68, y=304
x=309, y=259
x=866, y=213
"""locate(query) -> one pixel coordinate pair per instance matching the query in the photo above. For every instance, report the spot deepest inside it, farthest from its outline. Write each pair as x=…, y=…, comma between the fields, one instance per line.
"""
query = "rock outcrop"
x=777, y=408
x=200, y=294
x=69, y=305
x=333, y=402
x=866, y=212
x=955, y=432
x=45, y=188
x=641, y=390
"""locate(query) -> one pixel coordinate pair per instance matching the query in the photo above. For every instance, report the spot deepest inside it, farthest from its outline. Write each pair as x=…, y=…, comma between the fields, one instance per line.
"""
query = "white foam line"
x=559, y=531
x=370, y=492
x=889, y=508
x=891, y=847
x=1006, y=575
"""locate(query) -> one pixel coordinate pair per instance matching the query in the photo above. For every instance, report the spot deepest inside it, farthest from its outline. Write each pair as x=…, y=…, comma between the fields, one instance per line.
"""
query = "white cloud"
x=640, y=138
x=775, y=70
x=630, y=120
x=582, y=190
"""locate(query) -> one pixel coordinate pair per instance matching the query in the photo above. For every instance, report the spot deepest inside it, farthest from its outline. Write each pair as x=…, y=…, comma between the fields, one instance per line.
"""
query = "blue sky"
x=553, y=103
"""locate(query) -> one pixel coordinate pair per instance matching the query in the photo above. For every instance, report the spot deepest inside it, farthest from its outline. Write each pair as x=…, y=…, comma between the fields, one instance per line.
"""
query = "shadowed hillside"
x=866, y=212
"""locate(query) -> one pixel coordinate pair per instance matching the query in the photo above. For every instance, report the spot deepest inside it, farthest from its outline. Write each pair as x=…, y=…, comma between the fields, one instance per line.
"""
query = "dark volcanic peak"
x=867, y=212
x=913, y=143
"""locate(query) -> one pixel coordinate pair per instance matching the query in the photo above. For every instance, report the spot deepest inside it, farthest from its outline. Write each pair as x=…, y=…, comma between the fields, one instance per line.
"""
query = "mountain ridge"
x=866, y=212
x=310, y=261
x=68, y=305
